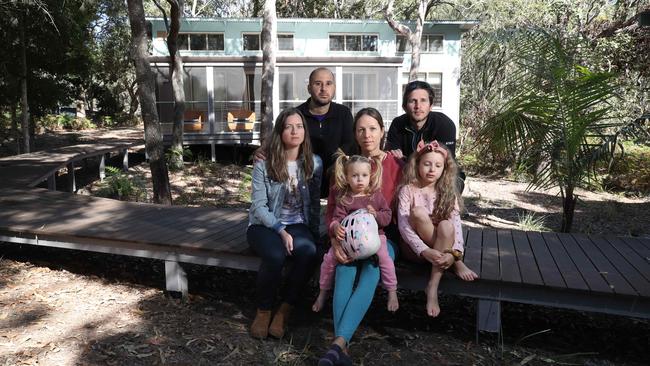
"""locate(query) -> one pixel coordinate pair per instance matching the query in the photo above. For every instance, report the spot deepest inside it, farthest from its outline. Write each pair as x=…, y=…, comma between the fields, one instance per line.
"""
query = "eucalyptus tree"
x=413, y=37
x=173, y=27
x=269, y=47
x=555, y=116
x=146, y=94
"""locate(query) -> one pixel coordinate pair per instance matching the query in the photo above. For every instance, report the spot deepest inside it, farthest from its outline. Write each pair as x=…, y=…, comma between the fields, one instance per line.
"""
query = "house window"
x=285, y=42
x=215, y=42
x=200, y=42
x=435, y=80
x=252, y=42
x=353, y=42
x=430, y=43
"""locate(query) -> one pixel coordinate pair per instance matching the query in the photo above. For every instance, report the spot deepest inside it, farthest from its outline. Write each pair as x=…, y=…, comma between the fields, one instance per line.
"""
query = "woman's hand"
x=287, y=239
x=339, y=254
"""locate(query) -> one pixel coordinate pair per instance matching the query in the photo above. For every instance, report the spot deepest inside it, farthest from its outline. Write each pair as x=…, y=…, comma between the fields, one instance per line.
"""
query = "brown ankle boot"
x=260, y=326
x=280, y=320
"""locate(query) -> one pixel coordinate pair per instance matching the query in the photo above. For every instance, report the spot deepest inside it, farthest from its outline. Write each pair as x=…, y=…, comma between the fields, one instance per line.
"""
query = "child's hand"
x=431, y=255
x=371, y=210
x=339, y=254
x=339, y=232
x=287, y=239
x=445, y=260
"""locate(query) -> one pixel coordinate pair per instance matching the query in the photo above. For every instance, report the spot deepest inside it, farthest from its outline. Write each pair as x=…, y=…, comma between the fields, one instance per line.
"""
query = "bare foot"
x=393, y=303
x=464, y=272
x=433, y=308
x=320, y=301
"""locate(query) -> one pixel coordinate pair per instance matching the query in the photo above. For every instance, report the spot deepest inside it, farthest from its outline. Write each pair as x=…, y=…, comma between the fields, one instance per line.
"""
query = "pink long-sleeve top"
x=412, y=196
x=376, y=200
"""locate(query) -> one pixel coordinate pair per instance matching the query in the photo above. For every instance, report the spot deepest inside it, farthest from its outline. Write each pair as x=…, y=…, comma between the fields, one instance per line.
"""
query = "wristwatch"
x=457, y=254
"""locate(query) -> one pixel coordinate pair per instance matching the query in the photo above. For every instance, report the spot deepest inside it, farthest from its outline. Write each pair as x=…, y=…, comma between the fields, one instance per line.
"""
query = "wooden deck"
x=601, y=274
x=29, y=170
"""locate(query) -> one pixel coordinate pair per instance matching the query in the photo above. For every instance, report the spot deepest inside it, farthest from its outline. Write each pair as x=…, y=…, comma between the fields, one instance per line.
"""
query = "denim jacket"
x=268, y=196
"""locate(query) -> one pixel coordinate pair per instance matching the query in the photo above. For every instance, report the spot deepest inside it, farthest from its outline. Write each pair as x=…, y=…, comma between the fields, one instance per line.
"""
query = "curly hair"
x=341, y=165
x=448, y=197
x=276, y=162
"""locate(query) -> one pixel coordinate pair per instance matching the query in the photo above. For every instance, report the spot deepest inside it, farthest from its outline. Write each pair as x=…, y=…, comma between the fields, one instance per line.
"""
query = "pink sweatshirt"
x=412, y=196
x=383, y=217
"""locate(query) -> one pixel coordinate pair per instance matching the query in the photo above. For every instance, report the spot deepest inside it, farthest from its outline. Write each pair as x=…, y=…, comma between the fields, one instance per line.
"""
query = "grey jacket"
x=268, y=196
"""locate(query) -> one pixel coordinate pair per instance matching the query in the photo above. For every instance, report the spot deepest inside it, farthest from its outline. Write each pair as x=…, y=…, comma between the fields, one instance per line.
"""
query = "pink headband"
x=423, y=148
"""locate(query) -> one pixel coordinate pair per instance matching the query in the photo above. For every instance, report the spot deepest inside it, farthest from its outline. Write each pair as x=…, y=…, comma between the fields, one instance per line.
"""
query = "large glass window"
x=371, y=87
x=353, y=42
x=235, y=89
x=251, y=41
x=285, y=42
x=430, y=43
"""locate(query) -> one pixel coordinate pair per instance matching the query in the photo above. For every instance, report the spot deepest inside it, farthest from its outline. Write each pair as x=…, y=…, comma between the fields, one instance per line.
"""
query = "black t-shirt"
x=402, y=135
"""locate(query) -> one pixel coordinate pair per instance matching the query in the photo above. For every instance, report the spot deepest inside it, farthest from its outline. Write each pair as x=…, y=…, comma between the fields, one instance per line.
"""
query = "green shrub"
x=64, y=121
x=119, y=185
x=631, y=171
x=172, y=154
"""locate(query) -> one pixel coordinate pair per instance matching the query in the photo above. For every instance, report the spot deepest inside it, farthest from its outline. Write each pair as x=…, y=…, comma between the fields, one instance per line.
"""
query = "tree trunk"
x=24, y=105
x=269, y=45
x=176, y=76
x=146, y=93
x=568, y=208
x=133, y=96
x=14, y=127
x=414, y=38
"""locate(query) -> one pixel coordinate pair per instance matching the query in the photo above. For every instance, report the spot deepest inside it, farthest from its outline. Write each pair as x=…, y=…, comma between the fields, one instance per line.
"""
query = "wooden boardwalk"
x=29, y=170
x=602, y=274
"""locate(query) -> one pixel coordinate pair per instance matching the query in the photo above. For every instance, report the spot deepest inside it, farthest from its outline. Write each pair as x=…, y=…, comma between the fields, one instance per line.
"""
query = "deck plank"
x=473, y=249
x=624, y=248
x=527, y=265
x=490, y=258
x=627, y=271
x=568, y=269
x=616, y=282
x=547, y=267
x=587, y=269
x=508, y=257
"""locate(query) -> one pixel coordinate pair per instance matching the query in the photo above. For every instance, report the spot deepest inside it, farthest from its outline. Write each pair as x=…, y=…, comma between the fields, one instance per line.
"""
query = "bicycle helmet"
x=361, y=235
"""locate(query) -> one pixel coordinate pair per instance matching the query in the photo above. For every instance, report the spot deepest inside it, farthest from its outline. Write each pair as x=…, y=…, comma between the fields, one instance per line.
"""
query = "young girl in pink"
x=428, y=216
x=358, y=189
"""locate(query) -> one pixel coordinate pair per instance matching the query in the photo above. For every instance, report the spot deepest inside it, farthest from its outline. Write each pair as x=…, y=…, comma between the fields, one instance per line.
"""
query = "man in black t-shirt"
x=329, y=123
x=419, y=123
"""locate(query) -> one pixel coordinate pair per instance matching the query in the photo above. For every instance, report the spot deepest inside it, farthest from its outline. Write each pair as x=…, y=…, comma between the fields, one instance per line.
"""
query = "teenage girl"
x=428, y=216
x=358, y=188
x=284, y=219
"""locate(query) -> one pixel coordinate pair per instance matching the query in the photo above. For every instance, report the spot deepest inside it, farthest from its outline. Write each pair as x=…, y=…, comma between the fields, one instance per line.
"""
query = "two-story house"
x=223, y=59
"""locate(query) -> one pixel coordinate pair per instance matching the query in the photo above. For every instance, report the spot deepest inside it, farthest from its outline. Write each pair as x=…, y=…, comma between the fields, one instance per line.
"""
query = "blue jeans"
x=350, y=304
x=269, y=246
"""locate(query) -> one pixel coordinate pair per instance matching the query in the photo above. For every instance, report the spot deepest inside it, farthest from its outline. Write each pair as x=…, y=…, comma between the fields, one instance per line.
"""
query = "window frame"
x=259, y=41
x=361, y=42
x=293, y=45
x=207, y=43
x=422, y=49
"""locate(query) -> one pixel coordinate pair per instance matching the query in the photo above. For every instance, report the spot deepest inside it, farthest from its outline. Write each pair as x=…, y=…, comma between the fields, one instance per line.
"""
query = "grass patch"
x=530, y=221
x=119, y=185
